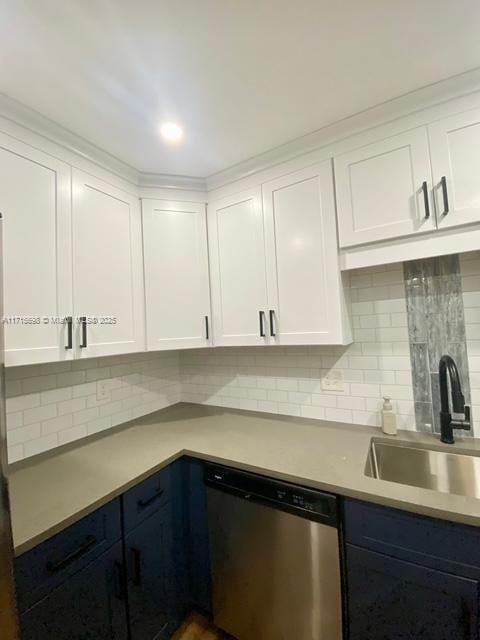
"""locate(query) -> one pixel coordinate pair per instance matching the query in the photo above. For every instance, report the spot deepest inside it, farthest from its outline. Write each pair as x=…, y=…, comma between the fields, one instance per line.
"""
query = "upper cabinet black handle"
x=69, y=321
x=446, y=207
x=271, y=314
x=261, y=317
x=207, y=330
x=425, y=200
x=83, y=344
x=86, y=545
x=143, y=504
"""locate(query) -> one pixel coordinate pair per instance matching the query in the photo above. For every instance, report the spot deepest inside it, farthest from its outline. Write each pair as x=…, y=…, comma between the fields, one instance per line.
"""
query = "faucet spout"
x=447, y=370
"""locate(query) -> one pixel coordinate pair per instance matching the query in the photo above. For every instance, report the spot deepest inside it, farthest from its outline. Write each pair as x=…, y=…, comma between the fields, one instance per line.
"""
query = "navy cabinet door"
x=88, y=606
x=151, y=578
x=390, y=599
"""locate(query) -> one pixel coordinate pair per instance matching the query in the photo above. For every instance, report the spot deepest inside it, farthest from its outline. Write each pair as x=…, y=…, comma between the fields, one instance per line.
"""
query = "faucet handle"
x=465, y=421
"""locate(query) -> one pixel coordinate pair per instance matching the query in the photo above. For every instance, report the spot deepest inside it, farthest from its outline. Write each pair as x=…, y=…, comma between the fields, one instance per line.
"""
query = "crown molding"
x=40, y=125
x=167, y=181
x=148, y=184
x=409, y=103
x=75, y=146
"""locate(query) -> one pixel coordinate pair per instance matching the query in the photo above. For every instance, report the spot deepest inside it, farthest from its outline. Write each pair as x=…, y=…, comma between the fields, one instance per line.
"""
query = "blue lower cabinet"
x=151, y=578
x=91, y=605
x=391, y=599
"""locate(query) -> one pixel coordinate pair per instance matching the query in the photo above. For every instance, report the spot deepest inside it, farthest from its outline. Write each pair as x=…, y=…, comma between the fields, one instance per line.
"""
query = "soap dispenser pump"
x=389, y=420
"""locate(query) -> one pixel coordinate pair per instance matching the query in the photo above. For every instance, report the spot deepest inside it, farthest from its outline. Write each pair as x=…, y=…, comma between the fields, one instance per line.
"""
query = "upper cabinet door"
x=381, y=192
x=35, y=203
x=305, y=293
x=176, y=274
x=107, y=268
x=238, y=278
x=455, y=151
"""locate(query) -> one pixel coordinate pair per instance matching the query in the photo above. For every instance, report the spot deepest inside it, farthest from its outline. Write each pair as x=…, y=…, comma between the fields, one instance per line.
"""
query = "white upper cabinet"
x=455, y=151
x=237, y=262
x=107, y=268
x=35, y=203
x=176, y=274
x=305, y=293
x=384, y=189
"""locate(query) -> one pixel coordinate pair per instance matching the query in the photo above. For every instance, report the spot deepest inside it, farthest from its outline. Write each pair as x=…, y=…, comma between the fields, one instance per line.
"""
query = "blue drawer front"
x=427, y=541
x=148, y=497
x=41, y=570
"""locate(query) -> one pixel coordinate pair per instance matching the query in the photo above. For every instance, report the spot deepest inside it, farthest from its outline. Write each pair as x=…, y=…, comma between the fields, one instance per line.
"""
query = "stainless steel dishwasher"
x=275, y=558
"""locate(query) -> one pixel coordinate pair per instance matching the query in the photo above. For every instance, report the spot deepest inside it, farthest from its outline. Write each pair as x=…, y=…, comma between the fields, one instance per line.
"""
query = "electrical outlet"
x=103, y=390
x=333, y=381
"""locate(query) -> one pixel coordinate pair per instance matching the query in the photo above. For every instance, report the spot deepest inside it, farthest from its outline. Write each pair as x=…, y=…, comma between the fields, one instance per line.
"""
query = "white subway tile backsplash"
x=365, y=390
x=70, y=435
x=57, y=424
x=56, y=395
x=40, y=418
x=22, y=402
x=39, y=413
x=71, y=406
x=380, y=351
x=24, y=434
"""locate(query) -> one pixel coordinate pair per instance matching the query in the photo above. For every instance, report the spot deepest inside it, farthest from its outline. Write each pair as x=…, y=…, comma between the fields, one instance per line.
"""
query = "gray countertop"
x=53, y=490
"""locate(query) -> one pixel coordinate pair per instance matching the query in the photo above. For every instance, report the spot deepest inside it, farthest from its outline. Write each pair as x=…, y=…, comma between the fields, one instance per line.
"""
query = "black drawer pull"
x=119, y=580
x=207, y=331
x=69, y=321
x=425, y=200
x=137, y=567
x=87, y=544
x=143, y=504
x=83, y=321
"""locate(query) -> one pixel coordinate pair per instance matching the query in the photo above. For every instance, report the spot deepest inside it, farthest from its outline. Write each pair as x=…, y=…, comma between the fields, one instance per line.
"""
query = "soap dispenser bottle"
x=389, y=420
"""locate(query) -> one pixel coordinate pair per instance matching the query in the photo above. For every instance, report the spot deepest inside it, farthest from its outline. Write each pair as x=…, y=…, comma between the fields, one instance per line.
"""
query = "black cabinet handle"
x=119, y=580
x=446, y=207
x=143, y=504
x=425, y=200
x=207, y=331
x=87, y=544
x=271, y=315
x=83, y=321
x=69, y=321
x=261, y=316
x=137, y=567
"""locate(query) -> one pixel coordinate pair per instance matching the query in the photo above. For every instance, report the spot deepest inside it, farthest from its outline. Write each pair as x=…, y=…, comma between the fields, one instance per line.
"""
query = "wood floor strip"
x=196, y=627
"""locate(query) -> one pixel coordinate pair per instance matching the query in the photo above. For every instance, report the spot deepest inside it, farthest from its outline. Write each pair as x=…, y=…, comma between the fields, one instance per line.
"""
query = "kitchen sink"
x=428, y=467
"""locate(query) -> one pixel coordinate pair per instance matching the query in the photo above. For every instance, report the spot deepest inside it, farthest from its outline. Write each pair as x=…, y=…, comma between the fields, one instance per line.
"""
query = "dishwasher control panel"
x=301, y=501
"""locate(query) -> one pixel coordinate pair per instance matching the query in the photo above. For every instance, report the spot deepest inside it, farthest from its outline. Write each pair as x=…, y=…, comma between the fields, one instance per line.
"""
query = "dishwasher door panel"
x=276, y=576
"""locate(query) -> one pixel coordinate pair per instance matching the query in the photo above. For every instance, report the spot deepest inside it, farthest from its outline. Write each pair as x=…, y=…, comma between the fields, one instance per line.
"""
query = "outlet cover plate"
x=333, y=381
x=103, y=390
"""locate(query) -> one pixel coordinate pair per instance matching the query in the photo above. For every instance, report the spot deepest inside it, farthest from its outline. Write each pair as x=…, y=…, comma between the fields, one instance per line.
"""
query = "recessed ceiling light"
x=171, y=132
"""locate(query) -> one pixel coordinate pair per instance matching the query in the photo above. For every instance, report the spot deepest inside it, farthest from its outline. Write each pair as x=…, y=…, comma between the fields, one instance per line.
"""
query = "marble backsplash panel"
x=436, y=326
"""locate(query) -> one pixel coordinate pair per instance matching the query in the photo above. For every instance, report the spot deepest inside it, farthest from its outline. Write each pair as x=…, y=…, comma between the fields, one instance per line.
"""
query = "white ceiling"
x=241, y=76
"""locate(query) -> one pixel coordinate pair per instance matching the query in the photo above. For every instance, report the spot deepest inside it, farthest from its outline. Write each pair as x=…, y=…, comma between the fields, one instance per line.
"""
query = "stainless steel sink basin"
x=426, y=467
